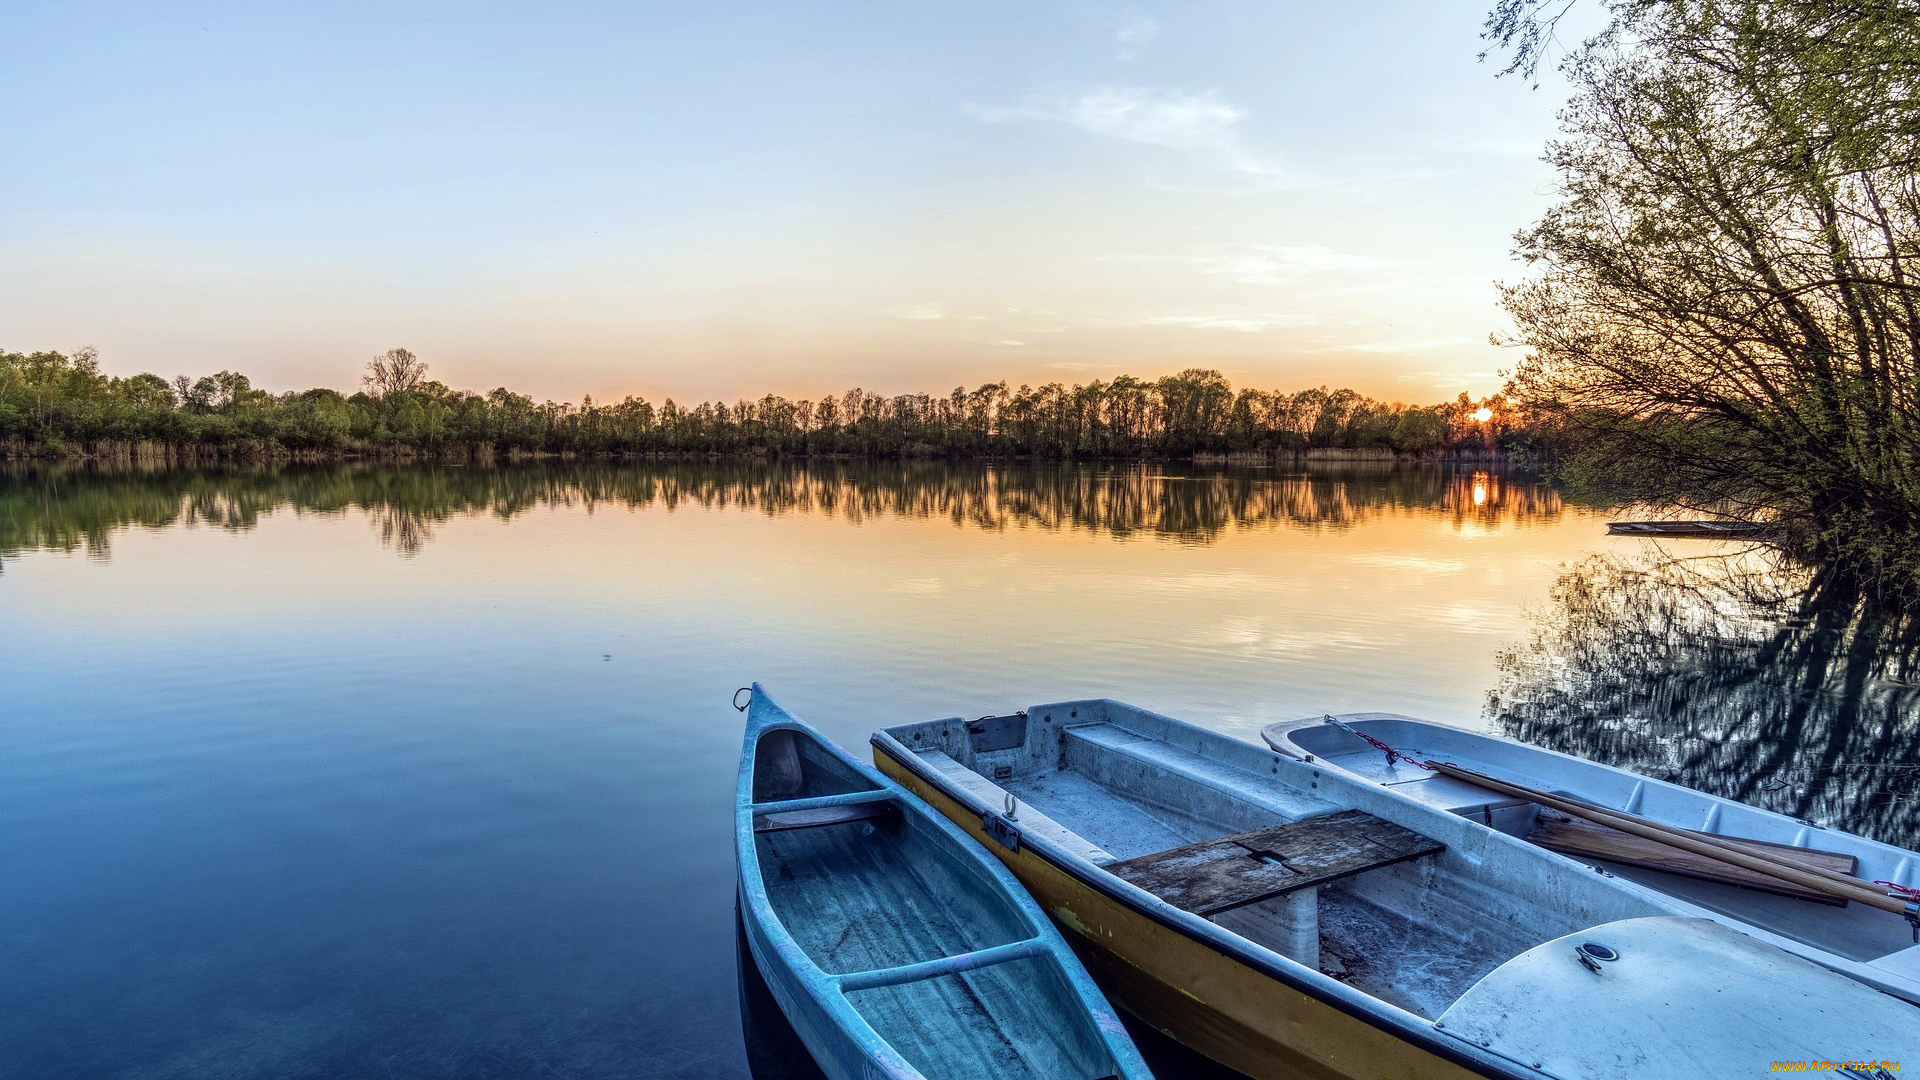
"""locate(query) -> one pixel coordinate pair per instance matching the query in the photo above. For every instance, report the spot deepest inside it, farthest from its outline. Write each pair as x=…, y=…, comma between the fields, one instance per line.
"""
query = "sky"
x=726, y=199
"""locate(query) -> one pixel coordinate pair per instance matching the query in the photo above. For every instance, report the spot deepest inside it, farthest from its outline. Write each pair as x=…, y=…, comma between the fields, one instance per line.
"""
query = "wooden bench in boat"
x=1230, y=872
x=837, y=810
x=1585, y=839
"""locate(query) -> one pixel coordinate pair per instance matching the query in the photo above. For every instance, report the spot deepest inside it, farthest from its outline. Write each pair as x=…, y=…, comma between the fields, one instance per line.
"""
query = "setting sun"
x=1482, y=414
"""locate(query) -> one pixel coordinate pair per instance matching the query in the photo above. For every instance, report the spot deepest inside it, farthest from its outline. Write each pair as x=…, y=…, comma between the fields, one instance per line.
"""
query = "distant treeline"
x=57, y=405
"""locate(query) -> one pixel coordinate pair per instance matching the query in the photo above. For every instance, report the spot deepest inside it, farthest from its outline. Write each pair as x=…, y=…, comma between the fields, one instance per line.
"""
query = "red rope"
x=1391, y=753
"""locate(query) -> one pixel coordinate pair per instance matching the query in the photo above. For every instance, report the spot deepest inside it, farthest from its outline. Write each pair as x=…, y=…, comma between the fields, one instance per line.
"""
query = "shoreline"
x=210, y=454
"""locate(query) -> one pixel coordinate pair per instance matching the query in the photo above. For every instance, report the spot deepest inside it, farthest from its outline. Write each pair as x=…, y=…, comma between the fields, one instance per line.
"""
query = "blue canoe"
x=897, y=948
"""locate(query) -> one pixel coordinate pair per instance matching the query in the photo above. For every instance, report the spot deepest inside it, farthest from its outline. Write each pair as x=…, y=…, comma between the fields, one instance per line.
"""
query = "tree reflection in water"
x=1781, y=686
x=1774, y=685
x=67, y=507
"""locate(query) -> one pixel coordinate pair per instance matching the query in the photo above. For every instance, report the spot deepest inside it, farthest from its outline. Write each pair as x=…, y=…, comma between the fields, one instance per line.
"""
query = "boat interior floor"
x=988, y=1024
x=857, y=898
x=864, y=888
x=1363, y=938
x=1391, y=956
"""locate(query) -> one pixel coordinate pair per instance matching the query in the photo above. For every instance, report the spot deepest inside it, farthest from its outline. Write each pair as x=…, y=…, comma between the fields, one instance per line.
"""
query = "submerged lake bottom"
x=341, y=771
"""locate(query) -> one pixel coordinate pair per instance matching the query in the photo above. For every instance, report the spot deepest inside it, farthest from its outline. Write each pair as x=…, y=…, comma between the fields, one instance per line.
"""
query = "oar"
x=1666, y=833
x=1833, y=884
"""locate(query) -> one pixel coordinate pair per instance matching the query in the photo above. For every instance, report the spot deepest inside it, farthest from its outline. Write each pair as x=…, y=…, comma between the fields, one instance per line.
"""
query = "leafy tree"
x=1722, y=310
x=146, y=392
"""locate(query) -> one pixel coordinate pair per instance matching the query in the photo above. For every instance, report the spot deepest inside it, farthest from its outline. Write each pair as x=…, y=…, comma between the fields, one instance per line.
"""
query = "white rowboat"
x=1856, y=940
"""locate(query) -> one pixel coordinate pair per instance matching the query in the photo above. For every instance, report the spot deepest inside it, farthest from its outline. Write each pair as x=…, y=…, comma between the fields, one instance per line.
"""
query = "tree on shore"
x=1723, y=308
x=394, y=372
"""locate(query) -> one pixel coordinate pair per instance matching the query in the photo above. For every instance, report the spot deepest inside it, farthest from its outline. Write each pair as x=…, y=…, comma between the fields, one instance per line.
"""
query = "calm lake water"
x=427, y=772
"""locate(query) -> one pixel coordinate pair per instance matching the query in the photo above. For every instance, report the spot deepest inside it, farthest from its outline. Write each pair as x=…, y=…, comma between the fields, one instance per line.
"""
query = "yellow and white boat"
x=1292, y=921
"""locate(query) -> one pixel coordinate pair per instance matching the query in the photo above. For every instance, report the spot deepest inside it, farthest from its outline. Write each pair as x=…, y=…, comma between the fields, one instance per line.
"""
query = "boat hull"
x=838, y=1056
x=1239, y=1016
x=898, y=949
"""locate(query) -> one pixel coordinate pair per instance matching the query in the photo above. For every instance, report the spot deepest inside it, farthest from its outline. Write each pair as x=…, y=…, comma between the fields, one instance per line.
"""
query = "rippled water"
x=426, y=772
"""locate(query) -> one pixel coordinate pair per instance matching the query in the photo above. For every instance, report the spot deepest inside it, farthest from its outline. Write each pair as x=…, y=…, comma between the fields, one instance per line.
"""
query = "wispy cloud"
x=1243, y=322
x=1410, y=345
x=1451, y=380
x=1009, y=341
x=1282, y=264
x=1136, y=32
x=919, y=311
x=1199, y=123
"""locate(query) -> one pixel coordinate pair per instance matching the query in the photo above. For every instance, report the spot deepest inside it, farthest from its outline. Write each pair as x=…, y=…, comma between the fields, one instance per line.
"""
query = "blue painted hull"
x=897, y=948
x=839, y=1056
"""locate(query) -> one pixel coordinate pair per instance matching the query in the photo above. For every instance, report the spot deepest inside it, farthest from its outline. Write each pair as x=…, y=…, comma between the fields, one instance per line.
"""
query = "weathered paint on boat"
x=1655, y=1007
x=1167, y=973
x=877, y=990
x=1860, y=942
x=1104, y=788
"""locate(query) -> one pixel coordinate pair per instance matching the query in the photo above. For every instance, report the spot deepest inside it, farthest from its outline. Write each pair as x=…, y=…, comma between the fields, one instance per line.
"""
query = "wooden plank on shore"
x=1233, y=871
x=1570, y=835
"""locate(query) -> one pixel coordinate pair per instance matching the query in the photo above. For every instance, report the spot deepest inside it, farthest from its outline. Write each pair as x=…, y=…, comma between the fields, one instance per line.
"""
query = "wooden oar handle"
x=1825, y=881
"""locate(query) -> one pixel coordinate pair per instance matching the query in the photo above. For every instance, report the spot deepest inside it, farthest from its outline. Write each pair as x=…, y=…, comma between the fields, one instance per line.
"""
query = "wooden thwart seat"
x=1233, y=871
x=1585, y=839
x=781, y=821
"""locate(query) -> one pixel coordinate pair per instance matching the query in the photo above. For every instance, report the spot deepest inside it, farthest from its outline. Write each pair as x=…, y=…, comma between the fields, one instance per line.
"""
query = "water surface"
x=426, y=772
